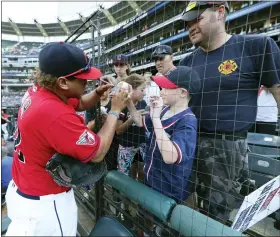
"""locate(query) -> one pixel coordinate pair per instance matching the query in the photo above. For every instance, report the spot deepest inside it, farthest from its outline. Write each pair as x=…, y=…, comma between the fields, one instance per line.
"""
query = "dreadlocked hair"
x=45, y=80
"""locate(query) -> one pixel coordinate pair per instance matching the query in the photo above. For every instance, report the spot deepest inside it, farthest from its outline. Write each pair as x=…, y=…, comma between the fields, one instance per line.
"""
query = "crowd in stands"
x=33, y=48
x=11, y=98
x=21, y=48
x=182, y=50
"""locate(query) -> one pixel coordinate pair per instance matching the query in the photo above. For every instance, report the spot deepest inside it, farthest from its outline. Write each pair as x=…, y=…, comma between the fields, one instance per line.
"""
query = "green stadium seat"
x=189, y=222
x=5, y=223
x=263, y=164
x=109, y=226
x=153, y=201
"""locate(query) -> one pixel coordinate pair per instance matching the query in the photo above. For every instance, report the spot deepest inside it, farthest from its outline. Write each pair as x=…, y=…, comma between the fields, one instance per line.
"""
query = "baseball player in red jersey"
x=47, y=124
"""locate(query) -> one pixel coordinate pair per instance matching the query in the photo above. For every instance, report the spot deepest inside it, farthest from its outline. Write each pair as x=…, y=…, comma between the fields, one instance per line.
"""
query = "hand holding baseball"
x=121, y=97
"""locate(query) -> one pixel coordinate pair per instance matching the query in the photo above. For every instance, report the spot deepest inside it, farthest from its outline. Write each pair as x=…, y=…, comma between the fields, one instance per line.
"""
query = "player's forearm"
x=106, y=135
x=135, y=115
x=124, y=126
x=87, y=101
x=167, y=149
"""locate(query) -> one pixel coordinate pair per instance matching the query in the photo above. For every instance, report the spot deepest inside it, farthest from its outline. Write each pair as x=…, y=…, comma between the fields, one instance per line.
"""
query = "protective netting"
x=204, y=159
x=233, y=156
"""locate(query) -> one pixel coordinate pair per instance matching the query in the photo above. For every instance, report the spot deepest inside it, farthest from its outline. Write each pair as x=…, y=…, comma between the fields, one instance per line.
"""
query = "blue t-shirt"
x=171, y=179
x=231, y=76
x=6, y=174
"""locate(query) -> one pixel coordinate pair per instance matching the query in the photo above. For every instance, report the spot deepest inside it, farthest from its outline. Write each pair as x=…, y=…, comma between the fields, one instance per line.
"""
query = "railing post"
x=99, y=192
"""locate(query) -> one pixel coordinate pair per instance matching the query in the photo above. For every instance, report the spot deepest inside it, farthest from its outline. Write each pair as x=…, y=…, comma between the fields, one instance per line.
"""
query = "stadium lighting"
x=64, y=27
x=108, y=15
x=134, y=6
x=15, y=27
x=41, y=28
x=84, y=20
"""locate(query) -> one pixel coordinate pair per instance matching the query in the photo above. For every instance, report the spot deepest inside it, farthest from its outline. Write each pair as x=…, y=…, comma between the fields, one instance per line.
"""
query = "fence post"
x=99, y=192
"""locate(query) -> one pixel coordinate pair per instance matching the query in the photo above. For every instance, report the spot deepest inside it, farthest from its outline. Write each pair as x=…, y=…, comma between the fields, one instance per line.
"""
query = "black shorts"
x=138, y=157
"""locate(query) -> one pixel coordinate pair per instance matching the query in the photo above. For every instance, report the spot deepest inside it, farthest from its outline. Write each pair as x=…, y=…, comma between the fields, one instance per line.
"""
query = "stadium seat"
x=189, y=222
x=263, y=140
x=263, y=158
x=265, y=151
x=259, y=178
x=5, y=223
x=263, y=164
x=153, y=201
x=109, y=226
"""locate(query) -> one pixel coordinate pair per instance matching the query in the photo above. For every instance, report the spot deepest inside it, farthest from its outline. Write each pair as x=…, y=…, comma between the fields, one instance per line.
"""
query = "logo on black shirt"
x=227, y=67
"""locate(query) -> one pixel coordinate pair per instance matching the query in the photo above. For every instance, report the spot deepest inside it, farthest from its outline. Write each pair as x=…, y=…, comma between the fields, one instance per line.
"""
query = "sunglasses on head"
x=119, y=64
x=159, y=58
x=85, y=69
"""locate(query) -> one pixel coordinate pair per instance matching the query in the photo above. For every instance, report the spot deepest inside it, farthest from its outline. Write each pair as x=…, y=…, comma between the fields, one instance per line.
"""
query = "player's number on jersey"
x=17, y=142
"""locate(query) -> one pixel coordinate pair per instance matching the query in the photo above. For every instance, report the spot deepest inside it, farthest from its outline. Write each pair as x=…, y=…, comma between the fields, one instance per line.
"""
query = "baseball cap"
x=120, y=58
x=161, y=51
x=66, y=60
x=180, y=77
x=196, y=8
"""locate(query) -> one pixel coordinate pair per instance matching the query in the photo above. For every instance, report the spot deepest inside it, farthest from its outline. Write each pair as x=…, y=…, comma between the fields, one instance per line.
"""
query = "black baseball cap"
x=180, y=77
x=66, y=60
x=196, y=8
x=162, y=51
x=120, y=58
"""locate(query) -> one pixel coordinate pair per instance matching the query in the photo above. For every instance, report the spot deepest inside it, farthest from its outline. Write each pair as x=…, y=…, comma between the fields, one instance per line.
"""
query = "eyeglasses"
x=85, y=69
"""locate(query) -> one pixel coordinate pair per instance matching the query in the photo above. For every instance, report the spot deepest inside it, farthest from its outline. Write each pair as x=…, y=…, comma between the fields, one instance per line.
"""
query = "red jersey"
x=35, y=87
x=46, y=125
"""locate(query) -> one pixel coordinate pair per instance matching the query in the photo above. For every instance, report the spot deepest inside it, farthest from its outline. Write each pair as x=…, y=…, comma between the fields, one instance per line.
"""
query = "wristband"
x=114, y=113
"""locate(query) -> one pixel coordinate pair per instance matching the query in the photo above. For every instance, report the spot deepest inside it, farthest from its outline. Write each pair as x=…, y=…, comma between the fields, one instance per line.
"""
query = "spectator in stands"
x=6, y=168
x=3, y=141
x=121, y=67
x=163, y=58
x=267, y=113
x=152, y=88
x=4, y=123
x=172, y=131
x=131, y=138
x=232, y=68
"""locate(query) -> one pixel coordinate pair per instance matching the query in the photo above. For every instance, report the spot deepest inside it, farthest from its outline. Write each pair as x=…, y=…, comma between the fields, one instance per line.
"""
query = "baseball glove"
x=69, y=172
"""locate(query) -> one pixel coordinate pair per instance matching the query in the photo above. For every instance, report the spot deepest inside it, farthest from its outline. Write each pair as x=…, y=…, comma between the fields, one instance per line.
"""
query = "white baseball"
x=123, y=86
x=103, y=110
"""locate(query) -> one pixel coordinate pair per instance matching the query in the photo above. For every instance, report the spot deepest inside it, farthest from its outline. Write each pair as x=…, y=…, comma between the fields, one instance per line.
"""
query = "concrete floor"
x=85, y=222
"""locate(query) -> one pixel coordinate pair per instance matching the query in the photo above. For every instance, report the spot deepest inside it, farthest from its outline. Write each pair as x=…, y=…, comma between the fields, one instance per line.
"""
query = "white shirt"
x=267, y=107
x=152, y=89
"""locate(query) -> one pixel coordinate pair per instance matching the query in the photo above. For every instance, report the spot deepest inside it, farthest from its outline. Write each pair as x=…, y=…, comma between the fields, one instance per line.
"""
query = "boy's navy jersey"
x=231, y=76
x=171, y=179
x=134, y=135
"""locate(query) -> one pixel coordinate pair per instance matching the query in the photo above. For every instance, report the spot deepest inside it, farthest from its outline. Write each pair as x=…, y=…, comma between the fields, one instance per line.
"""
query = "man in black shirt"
x=162, y=55
x=232, y=68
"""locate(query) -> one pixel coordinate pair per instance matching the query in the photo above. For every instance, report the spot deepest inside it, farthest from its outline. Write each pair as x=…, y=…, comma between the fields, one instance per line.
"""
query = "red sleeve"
x=73, y=102
x=69, y=136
